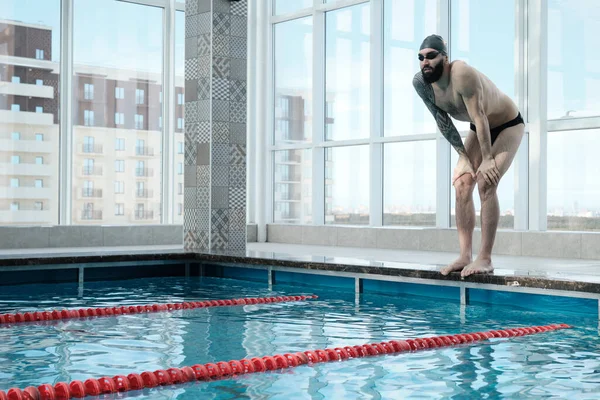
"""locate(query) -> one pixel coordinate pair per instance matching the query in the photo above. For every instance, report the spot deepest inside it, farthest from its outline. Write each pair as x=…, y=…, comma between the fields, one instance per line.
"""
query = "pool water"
x=557, y=364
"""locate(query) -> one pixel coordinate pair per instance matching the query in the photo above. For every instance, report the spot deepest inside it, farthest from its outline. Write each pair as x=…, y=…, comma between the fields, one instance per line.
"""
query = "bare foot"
x=479, y=266
x=457, y=265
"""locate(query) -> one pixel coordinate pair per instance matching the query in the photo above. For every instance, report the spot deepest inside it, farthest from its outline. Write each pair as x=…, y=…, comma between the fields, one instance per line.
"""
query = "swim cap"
x=434, y=42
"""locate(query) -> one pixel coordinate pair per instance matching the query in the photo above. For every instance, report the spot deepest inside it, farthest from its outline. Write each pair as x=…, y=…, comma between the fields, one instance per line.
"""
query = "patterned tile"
x=220, y=154
x=203, y=44
x=237, y=241
x=221, y=45
x=237, y=154
x=191, y=91
x=191, y=69
x=239, y=26
x=203, y=196
x=204, y=6
x=190, y=152
x=220, y=132
x=221, y=6
x=237, y=175
x=189, y=219
x=191, y=7
x=237, y=219
x=190, y=175
x=238, y=47
x=203, y=218
x=203, y=154
x=219, y=219
x=204, y=88
x=237, y=197
x=191, y=112
x=220, y=110
x=237, y=133
x=220, y=89
x=203, y=240
x=190, y=241
x=220, y=175
x=238, y=91
x=221, y=23
x=189, y=198
x=239, y=8
x=204, y=132
x=203, y=175
x=204, y=110
x=204, y=22
x=191, y=47
x=221, y=67
x=238, y=69
x=219, y=197
x=218, y=241
x=204, y=63
x=237, y=112
x=191, y=25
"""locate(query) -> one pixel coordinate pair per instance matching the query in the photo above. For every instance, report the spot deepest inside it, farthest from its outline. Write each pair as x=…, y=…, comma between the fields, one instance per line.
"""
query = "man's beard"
x=435, y=74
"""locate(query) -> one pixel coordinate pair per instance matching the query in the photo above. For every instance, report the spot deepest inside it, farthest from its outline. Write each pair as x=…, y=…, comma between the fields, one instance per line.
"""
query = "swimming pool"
x=561, y=363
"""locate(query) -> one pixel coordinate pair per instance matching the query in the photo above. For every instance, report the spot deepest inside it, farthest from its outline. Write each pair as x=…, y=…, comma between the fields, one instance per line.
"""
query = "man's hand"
x=463, y=166
x=489, y=171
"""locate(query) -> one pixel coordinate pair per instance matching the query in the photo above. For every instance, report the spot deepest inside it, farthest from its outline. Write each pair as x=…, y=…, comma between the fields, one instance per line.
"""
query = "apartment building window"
x=39, y=137
x=119, y=119
x=16, y=79
x=15, y=159
x=179, y=209
x=119, y=209
x=120, y=166
x=120, y=144
x=180, y=98
x=88, y=211
x=180, y=188
x=160, y=122
x=88, y=144
x=16, y=135
x=39, y=82
x=88, y=91
x=139, y=96
x=15, y=107
x=160, y=97
x=88, y=188
x=119, y=187
x=39, y=206
x=119, y=93
x=14, y=206
x=88, y=166
x=179, y=123
x=140, y=168
x=39, y=183
x=14, y=182
x=139, y=186
x=39, y=109
x=180, y=168
x=39, y=160
x=139, y=121
x=180, y=147
x=88, y=118
x=39, y=54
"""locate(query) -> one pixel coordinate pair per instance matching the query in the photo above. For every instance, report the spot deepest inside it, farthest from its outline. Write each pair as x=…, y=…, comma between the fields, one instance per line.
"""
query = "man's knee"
x=464, y=186
x=486, y=190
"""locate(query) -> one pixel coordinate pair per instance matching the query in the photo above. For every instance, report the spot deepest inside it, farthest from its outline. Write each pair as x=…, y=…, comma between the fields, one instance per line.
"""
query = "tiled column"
x=215, y=125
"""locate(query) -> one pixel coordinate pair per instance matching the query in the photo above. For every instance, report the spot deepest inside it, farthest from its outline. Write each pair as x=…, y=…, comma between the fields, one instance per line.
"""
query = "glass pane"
x=179, y=99
x=409, y=183
x=129, y=55
x=573, y=58
x=292, y=202
x=347, y=185
x=506, y=197
x=347, y=75
x=406, y=24
x=30, y=52
x=489, y=46
x=293, y=81
x=573, y=184
x=286, y=6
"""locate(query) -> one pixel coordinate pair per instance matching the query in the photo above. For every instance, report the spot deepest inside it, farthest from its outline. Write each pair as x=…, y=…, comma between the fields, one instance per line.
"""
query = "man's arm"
x=444, y=123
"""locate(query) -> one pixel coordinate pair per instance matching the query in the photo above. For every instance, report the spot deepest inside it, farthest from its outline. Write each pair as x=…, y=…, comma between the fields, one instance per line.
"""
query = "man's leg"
x=465, y=208
x=503, y=151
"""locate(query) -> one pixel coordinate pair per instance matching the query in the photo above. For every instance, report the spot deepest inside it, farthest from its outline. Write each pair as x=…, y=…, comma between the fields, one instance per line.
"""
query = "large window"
x=286, y=6
x=347, y=73
x=293, y=81
x=29, y=53
x=120, y=67
x=179, y=96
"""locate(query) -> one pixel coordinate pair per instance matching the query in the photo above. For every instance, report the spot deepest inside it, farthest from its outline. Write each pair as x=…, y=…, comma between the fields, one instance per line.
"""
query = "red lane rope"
x=172, y=376
x=139, y=309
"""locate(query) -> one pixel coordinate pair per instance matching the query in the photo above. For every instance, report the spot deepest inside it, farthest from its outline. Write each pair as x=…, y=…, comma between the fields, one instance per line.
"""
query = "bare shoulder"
x=465, y=78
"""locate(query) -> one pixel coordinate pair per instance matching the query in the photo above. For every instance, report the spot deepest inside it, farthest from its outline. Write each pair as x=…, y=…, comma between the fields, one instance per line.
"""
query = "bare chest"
x=451, y=102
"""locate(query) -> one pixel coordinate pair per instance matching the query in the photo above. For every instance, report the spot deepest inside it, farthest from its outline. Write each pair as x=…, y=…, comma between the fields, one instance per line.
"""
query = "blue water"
x=549, y=365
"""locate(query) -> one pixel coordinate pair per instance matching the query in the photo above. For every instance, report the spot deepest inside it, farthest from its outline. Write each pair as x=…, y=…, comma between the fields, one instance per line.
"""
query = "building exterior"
x=117, y=137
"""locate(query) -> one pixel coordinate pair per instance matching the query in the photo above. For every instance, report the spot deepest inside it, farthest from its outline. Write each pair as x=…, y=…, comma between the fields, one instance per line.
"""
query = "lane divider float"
x=140, y=309
x=222, y=369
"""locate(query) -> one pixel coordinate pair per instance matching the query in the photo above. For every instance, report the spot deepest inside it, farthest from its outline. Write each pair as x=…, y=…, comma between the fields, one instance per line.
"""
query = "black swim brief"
x=494, y=132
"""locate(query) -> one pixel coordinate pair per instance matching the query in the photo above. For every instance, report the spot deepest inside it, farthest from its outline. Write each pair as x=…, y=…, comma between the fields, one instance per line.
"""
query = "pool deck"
x=566, y=277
